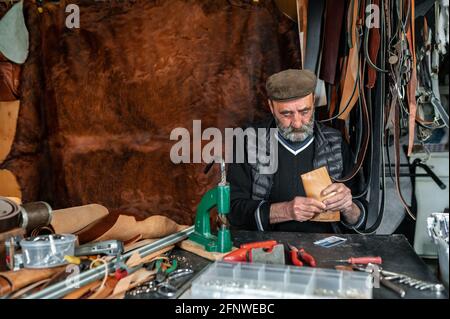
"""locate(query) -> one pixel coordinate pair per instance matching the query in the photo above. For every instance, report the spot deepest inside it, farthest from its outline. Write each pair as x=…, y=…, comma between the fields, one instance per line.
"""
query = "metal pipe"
x=63, y=288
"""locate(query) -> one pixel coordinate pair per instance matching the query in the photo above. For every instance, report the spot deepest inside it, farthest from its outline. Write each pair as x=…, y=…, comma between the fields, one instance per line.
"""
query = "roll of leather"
x=314, y=183
x=74, y=219
x=125, y=228
x=9, y=214
x=35, y=214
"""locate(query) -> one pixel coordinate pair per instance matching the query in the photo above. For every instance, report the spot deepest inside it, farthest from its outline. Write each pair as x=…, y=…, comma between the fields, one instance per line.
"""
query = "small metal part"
x=107, y=247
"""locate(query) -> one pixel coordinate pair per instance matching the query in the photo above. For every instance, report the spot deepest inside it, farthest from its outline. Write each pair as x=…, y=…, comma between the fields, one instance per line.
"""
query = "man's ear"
x=270, y=105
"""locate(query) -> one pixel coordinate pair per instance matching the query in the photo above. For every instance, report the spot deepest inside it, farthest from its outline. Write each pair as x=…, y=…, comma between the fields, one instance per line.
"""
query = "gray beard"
x=296, y=135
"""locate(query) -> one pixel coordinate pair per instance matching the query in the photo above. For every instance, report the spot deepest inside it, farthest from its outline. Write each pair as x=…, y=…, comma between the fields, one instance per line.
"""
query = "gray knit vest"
x=327, y=152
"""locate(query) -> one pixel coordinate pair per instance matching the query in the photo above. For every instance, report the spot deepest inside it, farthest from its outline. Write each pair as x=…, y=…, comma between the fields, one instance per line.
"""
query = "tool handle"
x=309, y=259
x=365, y=260
x=236, y=255
x=294, y=258
x=394, y=287
x=260, y=244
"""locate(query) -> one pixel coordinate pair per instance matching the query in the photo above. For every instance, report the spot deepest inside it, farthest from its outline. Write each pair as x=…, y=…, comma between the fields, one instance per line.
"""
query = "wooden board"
x=197, y=249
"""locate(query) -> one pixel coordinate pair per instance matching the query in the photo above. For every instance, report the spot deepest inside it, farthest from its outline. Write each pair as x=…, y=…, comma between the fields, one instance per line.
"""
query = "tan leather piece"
x=73, y=219
x=350, y=95
x=199, y=250
x=9, y=186
x=107, y=289
x=24, y=277
x=314, y=183
x=29, y=288
x=9, y=112
x=5, y=286
x=127, y=227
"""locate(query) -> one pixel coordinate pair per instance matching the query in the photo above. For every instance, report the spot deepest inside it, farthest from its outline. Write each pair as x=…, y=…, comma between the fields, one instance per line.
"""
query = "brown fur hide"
x=99, y=102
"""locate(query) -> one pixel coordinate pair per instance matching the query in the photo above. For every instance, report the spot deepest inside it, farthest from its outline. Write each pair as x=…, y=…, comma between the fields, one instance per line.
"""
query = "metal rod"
x=63, y=288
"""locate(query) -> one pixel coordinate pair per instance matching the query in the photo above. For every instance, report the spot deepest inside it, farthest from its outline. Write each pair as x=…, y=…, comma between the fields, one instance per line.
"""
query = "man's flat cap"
x=290, y=84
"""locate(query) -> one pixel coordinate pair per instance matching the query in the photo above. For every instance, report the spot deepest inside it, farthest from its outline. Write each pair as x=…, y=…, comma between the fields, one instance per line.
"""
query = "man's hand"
x=340, y=199
x=300, y=209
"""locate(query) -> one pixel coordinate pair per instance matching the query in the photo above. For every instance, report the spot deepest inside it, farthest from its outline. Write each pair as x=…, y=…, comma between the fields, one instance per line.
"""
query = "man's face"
x=295, y=119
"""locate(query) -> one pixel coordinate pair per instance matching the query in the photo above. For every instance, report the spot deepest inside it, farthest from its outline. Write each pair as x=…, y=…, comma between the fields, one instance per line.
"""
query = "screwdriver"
x=361, y=260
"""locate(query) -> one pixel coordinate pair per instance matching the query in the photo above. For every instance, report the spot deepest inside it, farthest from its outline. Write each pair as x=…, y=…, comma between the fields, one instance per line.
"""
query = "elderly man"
x=277, y=202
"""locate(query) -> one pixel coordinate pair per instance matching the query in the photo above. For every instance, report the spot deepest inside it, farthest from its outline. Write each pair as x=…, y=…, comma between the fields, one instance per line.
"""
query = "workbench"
x=395, y=250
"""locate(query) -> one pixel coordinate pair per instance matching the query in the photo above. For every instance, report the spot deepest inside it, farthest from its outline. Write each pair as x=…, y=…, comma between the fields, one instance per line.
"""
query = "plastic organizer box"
x=225, y=280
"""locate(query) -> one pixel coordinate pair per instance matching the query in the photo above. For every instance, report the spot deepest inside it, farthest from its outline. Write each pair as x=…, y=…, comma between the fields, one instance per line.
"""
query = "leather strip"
x=350, y=95
x=373, y=48
x=334, y=17
x=412, y=85
x=397, y=157
x=314, y=27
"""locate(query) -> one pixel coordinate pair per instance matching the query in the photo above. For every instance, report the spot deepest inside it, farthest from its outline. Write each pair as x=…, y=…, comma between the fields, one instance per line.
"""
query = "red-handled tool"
x=242, y=254
x=309, y=259
x=361, y=260
x=293, y=251
x=304, y=256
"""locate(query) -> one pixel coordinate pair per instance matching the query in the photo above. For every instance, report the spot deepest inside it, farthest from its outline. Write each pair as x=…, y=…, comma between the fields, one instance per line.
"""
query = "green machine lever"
x=219, y=197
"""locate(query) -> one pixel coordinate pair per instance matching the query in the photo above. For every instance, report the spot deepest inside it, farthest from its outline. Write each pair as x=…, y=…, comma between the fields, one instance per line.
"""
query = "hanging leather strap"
x=302, y=16
x=350, y=95
x=314, y=27
x=334, y=18
x=412, y=85
x=397, y=154
x=371, y=47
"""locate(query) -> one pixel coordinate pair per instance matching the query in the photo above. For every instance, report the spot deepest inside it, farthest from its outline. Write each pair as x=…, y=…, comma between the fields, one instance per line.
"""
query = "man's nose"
x=297, y=121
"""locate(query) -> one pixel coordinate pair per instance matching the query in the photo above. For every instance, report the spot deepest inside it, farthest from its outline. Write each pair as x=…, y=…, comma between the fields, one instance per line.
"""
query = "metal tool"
x=217, y=197
x=107, y=247
x=392, y=286
x=389, y=276
x=273, y=256
x=304, y=257
x=165, y=287
x=361, y=260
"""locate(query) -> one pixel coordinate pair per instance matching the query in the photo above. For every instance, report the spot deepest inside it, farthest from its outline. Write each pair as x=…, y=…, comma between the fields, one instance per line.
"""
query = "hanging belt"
x=412, y=85
x=350, y=94
x=302, y=16
x=334, y=15
x=315, y=11
x=397, y=155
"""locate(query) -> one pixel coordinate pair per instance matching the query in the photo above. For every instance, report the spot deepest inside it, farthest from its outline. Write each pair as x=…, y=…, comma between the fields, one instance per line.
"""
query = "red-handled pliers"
x=304, y=256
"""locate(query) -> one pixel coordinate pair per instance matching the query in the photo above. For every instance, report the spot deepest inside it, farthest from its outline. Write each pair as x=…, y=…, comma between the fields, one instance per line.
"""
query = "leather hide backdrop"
x=98, y=103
